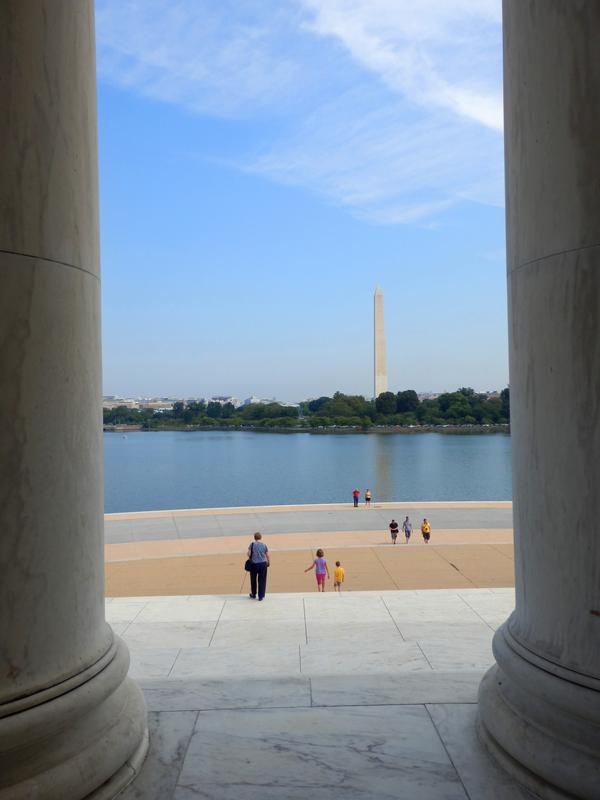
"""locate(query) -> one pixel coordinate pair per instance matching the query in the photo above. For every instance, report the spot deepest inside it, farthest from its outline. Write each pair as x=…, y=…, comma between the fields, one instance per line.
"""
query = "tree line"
x=462, y=407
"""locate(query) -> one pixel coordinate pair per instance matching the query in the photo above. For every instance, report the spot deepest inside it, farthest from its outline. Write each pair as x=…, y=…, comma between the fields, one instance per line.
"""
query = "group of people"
x=321, y=569
x=356, y=497
x=259, y=561
x=407, y=529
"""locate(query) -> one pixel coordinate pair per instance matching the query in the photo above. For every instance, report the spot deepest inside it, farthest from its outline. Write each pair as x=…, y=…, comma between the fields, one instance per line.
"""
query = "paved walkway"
x=369, y=696
x=473, y=550
x=209, y=523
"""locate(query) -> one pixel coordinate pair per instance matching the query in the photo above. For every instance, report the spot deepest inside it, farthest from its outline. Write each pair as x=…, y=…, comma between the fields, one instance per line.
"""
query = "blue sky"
x=264, y=165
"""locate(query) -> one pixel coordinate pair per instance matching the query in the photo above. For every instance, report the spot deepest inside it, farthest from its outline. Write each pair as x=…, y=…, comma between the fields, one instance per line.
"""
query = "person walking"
x=260, y=561
x=426, y=530
x=394, y=527
x=321, y=570
x=338, y=576
x=355, y=496
x=407, y=528
x=368, y=496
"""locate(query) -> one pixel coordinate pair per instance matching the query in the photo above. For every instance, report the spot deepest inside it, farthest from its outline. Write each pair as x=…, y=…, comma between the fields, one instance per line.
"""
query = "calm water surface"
x=168, y=470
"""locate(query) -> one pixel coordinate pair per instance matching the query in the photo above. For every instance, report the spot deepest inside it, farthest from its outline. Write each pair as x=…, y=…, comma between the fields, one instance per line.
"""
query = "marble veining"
x=357, y=710
x=364, y=753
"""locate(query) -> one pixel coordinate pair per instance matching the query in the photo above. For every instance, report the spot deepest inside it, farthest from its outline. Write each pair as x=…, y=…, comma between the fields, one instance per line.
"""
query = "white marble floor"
x=372, y=694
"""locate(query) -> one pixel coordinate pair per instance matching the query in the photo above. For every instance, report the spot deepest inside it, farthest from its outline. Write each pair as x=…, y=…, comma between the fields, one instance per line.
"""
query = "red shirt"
x=356, y=493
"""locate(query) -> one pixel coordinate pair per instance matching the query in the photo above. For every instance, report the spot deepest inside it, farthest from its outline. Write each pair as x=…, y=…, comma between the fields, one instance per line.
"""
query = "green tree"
x=194, y=411
x=386, y=403
x=286, y=422
x=121, y=415
x=214, y=410
x=407, y=418
x=227, y=410
x=341, y=407
x=337, y=406
x=259, y=411
x=505, y=401
x=315, y=405
x=407, y=401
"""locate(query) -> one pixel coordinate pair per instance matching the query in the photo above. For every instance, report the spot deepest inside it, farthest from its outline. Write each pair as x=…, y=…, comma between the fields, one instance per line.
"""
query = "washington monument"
x=380, y=365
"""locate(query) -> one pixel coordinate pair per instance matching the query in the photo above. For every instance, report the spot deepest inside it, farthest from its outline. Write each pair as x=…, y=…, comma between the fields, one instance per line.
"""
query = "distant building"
x=155, y=403
x=112, y=401
x=223, y=399
x=253, y=400
x=261, y=401
x=164, y=404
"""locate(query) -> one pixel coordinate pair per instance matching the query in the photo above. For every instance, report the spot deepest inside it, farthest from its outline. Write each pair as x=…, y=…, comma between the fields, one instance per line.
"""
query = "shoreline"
x=336, y=430
x=286, y=507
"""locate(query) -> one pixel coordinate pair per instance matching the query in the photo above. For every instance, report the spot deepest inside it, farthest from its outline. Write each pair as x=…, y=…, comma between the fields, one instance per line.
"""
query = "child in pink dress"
x=321, y=570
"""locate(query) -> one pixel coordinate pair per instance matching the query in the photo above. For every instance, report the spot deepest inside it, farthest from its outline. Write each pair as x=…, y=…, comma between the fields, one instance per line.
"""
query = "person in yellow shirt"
x=338, y=577
x=426, y=531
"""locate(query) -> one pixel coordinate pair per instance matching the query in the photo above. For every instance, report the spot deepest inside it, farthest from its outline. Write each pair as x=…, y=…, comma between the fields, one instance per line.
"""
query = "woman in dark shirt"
x=258, y=553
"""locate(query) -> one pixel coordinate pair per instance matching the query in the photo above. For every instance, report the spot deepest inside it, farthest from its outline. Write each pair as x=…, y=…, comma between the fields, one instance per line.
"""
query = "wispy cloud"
x=436, y=53
x=391, y=108
x=386, y=165
x=224, y=59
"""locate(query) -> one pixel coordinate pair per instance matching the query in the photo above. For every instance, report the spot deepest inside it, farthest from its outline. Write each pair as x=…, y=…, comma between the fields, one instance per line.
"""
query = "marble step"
x=294, y=691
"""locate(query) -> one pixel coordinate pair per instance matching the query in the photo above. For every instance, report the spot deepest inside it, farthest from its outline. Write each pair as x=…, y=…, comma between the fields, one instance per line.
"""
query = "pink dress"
x=320, y=570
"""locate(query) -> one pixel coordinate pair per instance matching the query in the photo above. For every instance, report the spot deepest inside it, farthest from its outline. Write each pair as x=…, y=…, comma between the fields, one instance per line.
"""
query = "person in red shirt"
x=355, y=496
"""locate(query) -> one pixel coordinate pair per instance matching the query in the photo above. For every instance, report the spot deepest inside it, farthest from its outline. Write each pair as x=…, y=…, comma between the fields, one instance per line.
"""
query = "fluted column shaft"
x=63, y=685
x=540, y=707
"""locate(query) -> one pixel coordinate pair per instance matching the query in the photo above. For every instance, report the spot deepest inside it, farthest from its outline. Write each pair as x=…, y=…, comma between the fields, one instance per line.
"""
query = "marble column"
x=540, y=705
x=72, y=724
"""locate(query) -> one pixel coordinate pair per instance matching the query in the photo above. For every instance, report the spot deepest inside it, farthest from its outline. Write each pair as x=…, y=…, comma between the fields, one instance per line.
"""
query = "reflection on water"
x=383, y=467
x=206, y=469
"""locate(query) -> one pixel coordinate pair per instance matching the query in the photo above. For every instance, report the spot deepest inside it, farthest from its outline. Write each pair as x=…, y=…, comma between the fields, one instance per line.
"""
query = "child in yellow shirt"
x=426, y=531
x=338, y=577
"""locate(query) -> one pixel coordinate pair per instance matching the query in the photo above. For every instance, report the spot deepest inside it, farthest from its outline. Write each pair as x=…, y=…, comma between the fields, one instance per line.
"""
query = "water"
x=167, y=470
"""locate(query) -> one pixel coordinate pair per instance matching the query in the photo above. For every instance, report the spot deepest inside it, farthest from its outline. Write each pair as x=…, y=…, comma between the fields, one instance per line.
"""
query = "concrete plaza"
x=202, y=551
x=367, y=695
x=200, y=523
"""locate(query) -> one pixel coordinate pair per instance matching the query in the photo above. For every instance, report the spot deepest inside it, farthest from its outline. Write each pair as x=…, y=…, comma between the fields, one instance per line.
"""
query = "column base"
x=123, y=777
x=541, y=722
x=75, y=742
